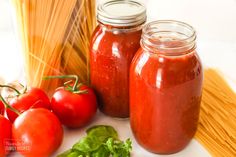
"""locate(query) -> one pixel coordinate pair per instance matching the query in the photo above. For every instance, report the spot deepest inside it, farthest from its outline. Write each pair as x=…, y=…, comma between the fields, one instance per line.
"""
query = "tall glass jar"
x=165, y=87
x=114, y=43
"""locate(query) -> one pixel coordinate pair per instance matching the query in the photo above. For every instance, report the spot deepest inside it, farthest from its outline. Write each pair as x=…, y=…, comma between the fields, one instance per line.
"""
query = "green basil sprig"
x=101, y=141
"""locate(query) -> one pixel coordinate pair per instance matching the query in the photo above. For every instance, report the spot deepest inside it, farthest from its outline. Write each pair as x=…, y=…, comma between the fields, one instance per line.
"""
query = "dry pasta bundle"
x=55, y=38
x=217, y=125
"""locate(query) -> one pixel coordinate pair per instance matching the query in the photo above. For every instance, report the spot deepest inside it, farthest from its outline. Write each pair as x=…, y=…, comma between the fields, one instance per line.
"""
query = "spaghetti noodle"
x=217, y=125
x=55, y=38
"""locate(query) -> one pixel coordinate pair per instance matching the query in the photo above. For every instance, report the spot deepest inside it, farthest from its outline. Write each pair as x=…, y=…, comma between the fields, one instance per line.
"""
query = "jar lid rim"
x=121, y=13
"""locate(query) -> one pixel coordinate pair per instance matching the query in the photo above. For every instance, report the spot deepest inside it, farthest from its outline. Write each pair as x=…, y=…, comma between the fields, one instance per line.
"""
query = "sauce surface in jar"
x=114, y=44
x=165, y=87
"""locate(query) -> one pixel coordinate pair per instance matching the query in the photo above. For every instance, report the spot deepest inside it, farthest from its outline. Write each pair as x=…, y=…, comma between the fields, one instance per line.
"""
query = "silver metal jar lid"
x=121, y=13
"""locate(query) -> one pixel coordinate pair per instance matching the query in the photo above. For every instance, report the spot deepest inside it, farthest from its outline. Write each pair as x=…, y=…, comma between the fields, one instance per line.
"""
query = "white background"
x=214, y=20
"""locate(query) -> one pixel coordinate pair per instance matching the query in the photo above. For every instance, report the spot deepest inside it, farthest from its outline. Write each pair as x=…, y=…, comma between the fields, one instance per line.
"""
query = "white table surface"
x=215, y=22
x=194, y=149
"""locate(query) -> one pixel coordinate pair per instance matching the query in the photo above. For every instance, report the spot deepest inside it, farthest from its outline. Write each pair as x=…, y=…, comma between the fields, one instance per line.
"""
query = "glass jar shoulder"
x=108, y=40
x=167, y=71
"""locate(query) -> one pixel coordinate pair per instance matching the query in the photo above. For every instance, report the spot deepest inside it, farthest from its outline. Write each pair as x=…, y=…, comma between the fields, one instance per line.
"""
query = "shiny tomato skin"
x=5, y=134
x=74, y=110
x=2, y=108
x=33, y=98
x=40, y=130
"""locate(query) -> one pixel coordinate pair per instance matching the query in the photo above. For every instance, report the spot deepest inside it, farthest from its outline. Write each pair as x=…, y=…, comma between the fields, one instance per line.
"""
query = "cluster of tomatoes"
x=33, y=123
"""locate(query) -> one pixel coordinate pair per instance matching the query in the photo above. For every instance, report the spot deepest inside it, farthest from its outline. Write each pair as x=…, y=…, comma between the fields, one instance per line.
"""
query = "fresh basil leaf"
x=71, y=153
x=119, y=148
x=110, y=145
x=101, y=133
x=75, y=154
x=128, y=145
x=87, y=144
x=101, y=141
x=101, y=152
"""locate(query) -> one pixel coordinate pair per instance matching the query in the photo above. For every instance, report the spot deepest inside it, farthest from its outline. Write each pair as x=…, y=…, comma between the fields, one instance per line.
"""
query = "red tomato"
x=39, y=131
x=5, y=134
x=33, y=98
x=2, y=108
x=74, y=110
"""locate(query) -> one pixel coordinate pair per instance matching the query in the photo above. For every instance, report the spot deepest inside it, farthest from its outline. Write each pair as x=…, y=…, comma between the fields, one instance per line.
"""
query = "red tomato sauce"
x=165, y=96
x=111, y=53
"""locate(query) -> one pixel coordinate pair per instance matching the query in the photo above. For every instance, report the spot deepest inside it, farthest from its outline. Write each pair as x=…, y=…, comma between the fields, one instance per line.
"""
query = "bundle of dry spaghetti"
x=55, y=37
x=217, y=127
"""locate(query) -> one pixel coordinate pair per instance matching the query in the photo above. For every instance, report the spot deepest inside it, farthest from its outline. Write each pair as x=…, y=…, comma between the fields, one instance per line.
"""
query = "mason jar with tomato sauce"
x=114, y=43
x=165, y=87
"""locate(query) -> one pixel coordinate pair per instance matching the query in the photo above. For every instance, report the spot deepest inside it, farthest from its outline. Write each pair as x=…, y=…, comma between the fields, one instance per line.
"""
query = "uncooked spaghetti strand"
x=70, y=33
x=47, y=26
x=215, y=149
x=217, y=121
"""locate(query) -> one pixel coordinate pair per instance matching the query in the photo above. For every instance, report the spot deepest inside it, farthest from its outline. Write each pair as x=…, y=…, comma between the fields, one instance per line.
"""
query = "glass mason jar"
x=165, y=87
x=114, y=43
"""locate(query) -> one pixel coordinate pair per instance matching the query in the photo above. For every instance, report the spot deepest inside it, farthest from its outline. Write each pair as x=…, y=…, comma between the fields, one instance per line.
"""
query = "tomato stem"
x=25, y=89
x=7, y=86
x=65, y=76
x=21, y=85
x=8, y=106
x=67, y=82
x=81, y=92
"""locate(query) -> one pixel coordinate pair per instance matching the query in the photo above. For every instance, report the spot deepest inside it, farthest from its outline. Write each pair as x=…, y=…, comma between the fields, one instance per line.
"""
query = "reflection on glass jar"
x=165, y=87
x=114, y=43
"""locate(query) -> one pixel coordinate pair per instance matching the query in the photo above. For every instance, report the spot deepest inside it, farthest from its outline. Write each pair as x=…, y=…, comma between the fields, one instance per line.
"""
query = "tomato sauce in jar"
x=114, y=44
x=165, y=87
